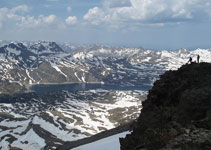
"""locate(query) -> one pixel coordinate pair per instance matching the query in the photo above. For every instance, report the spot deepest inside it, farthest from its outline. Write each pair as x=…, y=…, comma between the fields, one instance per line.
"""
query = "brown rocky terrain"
x=177, y=112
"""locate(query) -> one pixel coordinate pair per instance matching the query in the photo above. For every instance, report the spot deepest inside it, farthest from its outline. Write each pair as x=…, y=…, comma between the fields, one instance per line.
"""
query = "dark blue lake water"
x=73, y=87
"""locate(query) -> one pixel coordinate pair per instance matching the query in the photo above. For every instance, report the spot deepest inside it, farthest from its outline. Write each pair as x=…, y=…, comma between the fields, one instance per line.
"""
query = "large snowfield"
x=109, y=143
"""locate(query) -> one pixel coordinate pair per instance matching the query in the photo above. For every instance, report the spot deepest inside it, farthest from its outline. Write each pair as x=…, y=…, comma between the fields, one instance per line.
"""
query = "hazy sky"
x=157, y=24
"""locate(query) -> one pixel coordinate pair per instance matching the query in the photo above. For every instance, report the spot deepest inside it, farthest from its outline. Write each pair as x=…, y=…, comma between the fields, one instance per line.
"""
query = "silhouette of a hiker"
x=198, y=57
x=190, y=60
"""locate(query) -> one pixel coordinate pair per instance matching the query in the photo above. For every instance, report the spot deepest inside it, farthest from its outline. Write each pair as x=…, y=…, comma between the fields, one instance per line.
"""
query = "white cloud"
x=96, y=16
x=49, y=19
x=150, y=12
x=71, y=20
x=41, y=21
x=69, y=9
x=16, y=18
x=21, y=8
x=12, y=15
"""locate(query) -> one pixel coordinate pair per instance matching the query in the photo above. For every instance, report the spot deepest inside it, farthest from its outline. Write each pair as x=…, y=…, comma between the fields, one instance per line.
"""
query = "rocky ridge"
x=176, y=114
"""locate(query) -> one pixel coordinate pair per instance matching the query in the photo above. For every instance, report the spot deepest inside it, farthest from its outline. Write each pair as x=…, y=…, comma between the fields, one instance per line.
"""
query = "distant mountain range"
x=46, y=62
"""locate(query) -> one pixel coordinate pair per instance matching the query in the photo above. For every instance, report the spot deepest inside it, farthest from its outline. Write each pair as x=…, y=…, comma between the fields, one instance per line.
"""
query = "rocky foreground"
x=177, y=112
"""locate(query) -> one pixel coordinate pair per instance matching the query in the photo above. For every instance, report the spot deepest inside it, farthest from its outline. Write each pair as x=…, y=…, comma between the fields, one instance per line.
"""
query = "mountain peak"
x=178, y=102
x=43, y=46
x=17, y=46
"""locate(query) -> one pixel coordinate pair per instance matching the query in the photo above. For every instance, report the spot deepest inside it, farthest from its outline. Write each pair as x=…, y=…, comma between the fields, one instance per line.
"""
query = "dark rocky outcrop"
x=177, y=112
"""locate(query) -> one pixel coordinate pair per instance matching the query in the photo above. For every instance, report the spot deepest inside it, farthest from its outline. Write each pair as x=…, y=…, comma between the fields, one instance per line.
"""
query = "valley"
x=49, y=96
x=57, y=117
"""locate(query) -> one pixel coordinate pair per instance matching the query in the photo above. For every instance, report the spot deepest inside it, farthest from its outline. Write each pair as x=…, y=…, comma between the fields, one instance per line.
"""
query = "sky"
x=154, y=24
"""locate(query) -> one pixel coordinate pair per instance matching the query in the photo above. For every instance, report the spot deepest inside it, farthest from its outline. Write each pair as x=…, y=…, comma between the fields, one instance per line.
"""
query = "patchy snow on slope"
x=2, y=57
x=123, y=100
x=31, y=80
x=4, y=144
x=205, y=55
x=175, y=59
x=30, y=141
x=14, y=51
x=55, y=66
x=82, y=55
x=61, y=134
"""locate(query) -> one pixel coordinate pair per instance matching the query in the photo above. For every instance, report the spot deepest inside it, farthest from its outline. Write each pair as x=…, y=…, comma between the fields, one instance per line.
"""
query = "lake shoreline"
x=42, y=88
x=63, y=83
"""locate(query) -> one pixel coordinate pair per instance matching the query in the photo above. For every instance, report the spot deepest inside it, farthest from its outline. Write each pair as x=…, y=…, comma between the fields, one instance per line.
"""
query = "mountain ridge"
x=47, y=62
x=176, y=111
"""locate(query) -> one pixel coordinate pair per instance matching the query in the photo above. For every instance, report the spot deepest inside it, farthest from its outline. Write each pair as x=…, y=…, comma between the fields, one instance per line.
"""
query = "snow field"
x=109, y=143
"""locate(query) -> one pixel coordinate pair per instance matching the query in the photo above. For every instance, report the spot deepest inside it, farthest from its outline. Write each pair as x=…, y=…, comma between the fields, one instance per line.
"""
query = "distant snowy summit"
x=24, y=63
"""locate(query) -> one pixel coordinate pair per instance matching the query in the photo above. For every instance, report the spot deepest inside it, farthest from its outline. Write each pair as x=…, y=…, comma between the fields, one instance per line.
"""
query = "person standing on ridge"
x=198, y=57
x=190, y=60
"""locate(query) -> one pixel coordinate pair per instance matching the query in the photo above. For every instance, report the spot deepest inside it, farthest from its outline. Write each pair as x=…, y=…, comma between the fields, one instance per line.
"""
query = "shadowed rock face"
x=178, y=107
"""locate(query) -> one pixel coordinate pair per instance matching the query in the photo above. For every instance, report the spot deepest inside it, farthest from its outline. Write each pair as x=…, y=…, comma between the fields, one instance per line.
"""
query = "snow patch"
x=30, y=141
x=109, y=143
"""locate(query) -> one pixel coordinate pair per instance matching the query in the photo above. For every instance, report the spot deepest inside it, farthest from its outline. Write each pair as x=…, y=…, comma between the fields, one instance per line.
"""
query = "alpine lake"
x=42, y=89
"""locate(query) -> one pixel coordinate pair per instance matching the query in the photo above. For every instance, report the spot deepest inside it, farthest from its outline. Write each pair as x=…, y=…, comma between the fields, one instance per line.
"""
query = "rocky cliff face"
x=177, y=112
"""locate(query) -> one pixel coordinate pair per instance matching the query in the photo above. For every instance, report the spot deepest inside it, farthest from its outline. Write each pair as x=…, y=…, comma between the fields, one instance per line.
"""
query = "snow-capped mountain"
x=45, y=62
x=32, y=121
